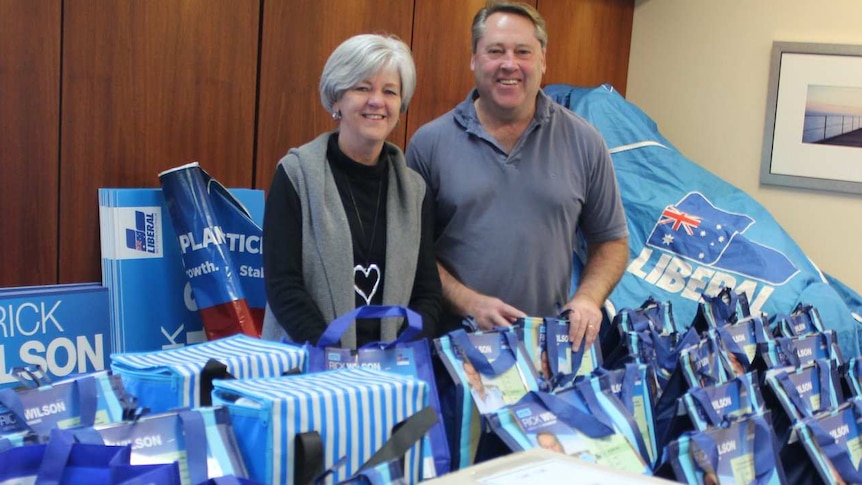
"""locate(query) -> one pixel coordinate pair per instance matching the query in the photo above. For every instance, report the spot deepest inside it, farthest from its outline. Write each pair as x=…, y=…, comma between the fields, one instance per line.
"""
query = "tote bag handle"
x=332, y=335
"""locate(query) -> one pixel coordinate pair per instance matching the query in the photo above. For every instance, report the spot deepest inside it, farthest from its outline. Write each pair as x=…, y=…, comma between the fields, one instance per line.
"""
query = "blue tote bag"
x=726, y=306
x=546, y=341
x=201, y=440
x=635, y=387
x=803, y=320
x=544, y=420
x=831, y=441
x=404, y=356
x=84, y=400
x=741, y=452
x=713, y=405
x=487, y=371
x=63, y=462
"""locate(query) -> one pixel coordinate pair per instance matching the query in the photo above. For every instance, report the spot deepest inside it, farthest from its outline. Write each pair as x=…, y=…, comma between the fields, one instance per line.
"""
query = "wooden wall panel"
x=589, y=41
x=29, y=133
x=149, y=85
x=441, y=47
x=588, y=45
x=297, y=38
x=146, y=85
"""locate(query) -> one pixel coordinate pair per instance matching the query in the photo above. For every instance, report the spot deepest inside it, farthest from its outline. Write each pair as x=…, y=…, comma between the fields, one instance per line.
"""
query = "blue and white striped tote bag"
x=168, y=379
x=353, y=410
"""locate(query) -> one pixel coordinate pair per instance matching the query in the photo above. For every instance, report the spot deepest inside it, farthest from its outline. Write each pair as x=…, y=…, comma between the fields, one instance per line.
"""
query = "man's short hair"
x=516, y=8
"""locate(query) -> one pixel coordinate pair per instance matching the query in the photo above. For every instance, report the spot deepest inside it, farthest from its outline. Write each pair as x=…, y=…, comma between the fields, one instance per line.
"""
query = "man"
x=515, y=177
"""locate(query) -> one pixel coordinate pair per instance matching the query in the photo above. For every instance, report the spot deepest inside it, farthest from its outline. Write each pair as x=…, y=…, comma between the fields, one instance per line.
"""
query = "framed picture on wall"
x=813, y=130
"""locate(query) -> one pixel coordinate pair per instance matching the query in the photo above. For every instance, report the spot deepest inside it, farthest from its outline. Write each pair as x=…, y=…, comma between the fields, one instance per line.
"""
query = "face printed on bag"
x=546, y=366
x=474, y=380
x=549, y=441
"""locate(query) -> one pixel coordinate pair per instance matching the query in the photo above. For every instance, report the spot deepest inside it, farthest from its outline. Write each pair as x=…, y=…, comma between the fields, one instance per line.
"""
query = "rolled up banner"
x=221, y=250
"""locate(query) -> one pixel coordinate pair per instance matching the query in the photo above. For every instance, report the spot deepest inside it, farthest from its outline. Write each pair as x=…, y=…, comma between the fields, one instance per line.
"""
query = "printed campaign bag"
x=354, y=410
x=806, y=390
x=661, y=352
x=85, y=400
x=794, y=393
x=798, y=351
x=740, y=452
x=62, y=461
x=691, y=232
x=726, y=306
x=652, y=315
x=201, y=440
x=651, y=318
x=711, y=406
x=833, y=443
x=487, y=371
x=635, y=387
x=554, y=422
x=405, y=356
x=740, y=340
x=700, y=365
x=705, y=364
x=178, y=378
x=803, y=320
x=546, y=341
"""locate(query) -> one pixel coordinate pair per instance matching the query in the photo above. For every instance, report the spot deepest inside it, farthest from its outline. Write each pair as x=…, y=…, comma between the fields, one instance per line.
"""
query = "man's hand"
x=606, y=262
x=490, y=312
x=585, y=321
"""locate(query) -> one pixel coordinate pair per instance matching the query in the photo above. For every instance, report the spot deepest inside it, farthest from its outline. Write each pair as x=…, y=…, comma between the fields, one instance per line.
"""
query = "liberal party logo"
x=144, y=235
x=696, y=230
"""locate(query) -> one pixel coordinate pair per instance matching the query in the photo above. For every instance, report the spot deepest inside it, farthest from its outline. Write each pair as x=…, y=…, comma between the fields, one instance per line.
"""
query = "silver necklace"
x=359, y=218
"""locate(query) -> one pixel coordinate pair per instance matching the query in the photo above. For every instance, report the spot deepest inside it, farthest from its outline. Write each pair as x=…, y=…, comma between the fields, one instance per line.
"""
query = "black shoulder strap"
x=404, y=435
x=212, y=370
x=307, y=458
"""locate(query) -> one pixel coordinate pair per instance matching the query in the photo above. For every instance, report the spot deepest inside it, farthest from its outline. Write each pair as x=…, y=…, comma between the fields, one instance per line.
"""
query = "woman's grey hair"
x=361, y=57
x=517, y=8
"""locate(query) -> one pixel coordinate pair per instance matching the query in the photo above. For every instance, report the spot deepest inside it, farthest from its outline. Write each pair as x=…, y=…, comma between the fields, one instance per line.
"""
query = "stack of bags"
x=729, y=397
x=240, y=407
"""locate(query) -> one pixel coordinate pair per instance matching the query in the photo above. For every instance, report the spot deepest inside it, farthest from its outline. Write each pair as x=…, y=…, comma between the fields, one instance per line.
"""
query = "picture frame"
x=813, y=128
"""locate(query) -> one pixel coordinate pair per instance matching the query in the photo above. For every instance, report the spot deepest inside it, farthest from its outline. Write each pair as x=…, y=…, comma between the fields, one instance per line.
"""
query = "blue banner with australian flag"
x=691, y=233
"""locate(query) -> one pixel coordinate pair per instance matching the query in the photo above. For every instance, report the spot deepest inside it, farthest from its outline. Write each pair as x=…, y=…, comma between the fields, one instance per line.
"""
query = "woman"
x=346, y=222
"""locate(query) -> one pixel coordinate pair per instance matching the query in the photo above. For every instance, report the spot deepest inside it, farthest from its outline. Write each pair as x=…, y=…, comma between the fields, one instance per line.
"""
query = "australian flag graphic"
x=696, y=230
x=136, y=238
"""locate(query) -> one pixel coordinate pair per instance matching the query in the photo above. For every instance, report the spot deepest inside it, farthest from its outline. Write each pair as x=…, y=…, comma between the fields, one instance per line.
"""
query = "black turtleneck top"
x=362, y=189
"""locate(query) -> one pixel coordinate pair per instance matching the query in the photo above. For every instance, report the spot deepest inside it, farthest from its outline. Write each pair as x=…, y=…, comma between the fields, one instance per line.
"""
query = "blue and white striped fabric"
x=168, y=379
x=353, y=410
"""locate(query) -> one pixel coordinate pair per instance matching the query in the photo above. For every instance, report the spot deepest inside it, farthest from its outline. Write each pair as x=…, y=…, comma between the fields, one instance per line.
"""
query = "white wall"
x=700, y=69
